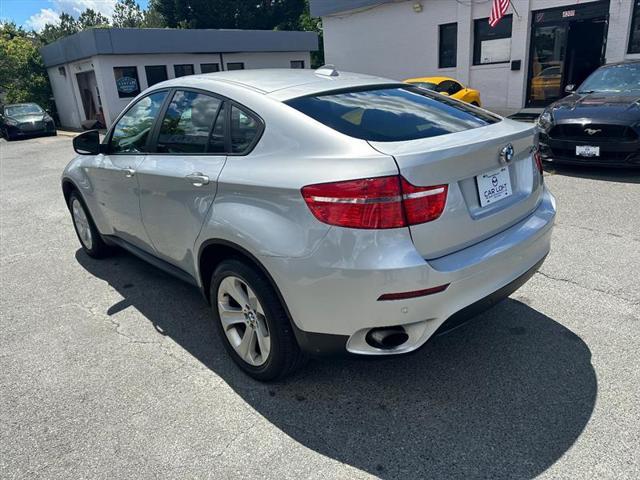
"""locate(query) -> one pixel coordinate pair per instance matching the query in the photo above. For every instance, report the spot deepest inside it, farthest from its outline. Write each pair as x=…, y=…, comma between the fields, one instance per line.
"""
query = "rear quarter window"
x=391, y=114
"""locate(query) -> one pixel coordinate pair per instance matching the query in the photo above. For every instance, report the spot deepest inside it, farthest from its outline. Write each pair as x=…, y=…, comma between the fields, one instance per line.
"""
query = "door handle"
x=129, y=172
x=198, y=179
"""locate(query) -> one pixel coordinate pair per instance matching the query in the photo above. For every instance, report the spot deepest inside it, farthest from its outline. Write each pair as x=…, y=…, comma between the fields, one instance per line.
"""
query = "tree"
x=23, y=77
x=92, y=19
x=66, y=26
x=127, y=14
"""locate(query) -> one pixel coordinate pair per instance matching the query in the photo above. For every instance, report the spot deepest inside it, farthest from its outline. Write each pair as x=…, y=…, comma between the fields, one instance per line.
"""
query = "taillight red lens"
x=538, y=159
x=422, y=204
x=374, y=203
x=365, y=203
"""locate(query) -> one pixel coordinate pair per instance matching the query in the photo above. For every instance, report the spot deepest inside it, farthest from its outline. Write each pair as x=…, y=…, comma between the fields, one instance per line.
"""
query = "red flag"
x=498, y=10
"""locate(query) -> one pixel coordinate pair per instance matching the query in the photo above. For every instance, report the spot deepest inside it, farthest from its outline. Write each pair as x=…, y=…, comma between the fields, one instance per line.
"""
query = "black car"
x=599, y=123
x=25, y=119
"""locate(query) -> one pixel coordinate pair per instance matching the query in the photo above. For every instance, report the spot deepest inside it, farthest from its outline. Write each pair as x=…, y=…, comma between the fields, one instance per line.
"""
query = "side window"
x=450, y=87
x=188, y=123
x=131, y=132
x=244, y=129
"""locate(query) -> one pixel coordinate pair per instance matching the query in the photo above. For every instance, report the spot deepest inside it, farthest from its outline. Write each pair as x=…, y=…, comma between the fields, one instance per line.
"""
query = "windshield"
x=427, y=85
x=391, y=114
x=26, y=109
x=615, y=79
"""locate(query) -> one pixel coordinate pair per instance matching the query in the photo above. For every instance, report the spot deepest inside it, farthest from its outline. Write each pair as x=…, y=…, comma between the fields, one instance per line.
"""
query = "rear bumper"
x=333, y=295
x=612, y=154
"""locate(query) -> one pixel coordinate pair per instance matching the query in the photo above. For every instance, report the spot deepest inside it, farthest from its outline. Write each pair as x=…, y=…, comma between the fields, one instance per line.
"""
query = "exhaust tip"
x=386, y=338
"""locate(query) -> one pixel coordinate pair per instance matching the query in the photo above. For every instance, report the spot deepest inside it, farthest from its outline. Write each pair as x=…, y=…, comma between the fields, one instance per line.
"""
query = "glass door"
x=547, y=64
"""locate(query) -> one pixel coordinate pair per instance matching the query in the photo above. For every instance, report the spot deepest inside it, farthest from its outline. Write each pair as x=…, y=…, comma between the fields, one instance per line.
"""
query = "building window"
x=448, y=45
x=127, y=81
x=155, y=74
x=62, y=71
x=209, y=67
x=297, y=63
x=182, y=70
x=634, y=38
x=235, y=66
x=492, y=45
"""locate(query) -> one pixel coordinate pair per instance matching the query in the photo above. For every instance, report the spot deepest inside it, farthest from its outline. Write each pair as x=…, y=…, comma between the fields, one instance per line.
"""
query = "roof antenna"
x=327, y=70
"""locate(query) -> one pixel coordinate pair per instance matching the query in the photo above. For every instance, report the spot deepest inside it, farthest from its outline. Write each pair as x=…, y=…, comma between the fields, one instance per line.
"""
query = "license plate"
x=587, y=151
x=494, y=186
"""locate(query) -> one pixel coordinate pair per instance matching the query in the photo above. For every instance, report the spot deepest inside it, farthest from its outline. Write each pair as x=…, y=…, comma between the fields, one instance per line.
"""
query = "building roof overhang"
x=129, y=41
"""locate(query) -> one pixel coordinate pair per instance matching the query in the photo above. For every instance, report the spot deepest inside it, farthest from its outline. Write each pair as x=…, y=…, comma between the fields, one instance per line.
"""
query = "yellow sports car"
x=448, y=86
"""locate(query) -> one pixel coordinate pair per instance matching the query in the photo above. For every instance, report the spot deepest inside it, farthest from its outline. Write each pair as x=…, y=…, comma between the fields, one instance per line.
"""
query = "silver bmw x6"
x=318, y=211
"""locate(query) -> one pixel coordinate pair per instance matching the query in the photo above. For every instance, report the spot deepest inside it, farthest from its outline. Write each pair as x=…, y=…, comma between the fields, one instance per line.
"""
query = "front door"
x=567, y=44
x=178, y=179
x=116, y=178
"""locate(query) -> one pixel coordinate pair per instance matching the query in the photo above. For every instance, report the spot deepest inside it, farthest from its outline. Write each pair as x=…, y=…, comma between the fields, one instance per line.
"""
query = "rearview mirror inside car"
x=87, y=143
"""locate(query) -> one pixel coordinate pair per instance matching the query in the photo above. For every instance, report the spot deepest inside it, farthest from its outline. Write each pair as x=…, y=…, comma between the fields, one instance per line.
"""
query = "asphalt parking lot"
x=112, y=369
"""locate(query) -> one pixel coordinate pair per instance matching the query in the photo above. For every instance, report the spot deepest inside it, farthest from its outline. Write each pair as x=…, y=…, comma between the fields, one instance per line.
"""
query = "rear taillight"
x=538, y=159
x=375, y=203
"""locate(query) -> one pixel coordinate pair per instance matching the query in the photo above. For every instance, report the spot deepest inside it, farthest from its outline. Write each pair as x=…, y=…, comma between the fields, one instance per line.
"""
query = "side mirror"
x=87, y=143
x=570, y=88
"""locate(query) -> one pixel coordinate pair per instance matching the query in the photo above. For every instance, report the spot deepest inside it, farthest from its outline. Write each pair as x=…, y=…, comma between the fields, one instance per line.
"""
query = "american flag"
x=497, y=11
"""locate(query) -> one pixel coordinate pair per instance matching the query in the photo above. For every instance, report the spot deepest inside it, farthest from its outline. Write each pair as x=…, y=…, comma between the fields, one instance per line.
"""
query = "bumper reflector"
x=413, y=294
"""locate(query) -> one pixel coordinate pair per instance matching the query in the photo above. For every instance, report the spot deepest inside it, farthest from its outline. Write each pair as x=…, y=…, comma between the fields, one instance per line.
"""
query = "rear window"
x=391, y=114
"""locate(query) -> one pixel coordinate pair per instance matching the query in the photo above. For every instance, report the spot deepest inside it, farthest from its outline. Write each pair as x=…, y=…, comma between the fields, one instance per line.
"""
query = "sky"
x=34, y=14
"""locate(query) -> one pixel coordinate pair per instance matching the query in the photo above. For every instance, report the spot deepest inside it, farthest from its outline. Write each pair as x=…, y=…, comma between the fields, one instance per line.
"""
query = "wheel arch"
x=214, y=251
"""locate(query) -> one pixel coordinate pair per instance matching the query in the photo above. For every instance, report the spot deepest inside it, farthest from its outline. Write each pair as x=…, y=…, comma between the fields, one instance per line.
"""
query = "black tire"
x=98, y=248
x=284, y=356
x=7, y=135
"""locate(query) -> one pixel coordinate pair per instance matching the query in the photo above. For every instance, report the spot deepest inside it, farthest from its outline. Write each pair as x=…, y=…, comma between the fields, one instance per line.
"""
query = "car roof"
x=282, y=83
x=435, y=80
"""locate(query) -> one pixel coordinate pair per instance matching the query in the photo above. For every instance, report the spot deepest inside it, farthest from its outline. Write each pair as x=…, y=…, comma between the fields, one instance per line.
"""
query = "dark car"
x=599, y=123
x=25, y=119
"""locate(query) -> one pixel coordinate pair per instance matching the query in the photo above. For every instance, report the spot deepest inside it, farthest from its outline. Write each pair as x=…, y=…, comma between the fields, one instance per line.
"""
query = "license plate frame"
x=587, y=151
x=494, y=186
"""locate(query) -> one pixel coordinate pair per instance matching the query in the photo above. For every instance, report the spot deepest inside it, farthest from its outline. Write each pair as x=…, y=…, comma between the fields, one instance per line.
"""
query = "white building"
x=94, y=74
x=526, y=61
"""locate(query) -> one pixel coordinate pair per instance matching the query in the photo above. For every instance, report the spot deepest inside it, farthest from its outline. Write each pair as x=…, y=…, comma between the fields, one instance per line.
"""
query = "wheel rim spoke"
x=82, y=224
x=264, y=341
x=243, y=320
x=230, y=316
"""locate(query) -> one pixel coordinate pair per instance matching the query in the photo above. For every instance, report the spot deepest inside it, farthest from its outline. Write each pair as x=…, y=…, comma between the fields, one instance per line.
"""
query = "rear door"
x=178, y=177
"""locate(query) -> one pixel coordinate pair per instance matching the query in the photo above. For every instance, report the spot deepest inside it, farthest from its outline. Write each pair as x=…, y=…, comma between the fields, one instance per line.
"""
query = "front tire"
x=252, y=322
x=90, y=239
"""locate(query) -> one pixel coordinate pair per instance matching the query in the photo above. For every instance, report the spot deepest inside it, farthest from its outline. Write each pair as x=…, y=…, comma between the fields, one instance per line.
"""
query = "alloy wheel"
x=243, y=321
x=82, y=224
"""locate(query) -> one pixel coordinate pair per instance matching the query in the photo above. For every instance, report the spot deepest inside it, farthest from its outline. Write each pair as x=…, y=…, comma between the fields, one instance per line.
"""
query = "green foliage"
x=92, y=19
x=127, y=14
x=243, y=14
x=67, y=26
x=23, y=77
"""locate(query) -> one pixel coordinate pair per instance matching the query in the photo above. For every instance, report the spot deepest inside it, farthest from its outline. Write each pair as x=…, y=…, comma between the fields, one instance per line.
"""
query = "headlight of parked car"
x=10, y=121
x=48, y=119
x=545, y=121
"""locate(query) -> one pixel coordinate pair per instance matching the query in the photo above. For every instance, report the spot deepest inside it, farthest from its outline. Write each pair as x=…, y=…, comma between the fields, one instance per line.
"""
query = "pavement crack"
x=595, y=230
x=593, y=289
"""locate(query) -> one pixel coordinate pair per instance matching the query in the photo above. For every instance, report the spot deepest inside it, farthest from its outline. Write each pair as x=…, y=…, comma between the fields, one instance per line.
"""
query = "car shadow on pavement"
x=619, y=175
x=504, y=396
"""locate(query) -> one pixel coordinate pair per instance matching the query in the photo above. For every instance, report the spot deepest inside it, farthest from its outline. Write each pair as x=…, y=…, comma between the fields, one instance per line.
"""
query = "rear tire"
x=252, y=322
x=88, y=235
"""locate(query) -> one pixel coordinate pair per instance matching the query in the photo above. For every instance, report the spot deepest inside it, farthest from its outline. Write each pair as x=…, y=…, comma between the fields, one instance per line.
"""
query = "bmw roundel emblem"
x=506, y=154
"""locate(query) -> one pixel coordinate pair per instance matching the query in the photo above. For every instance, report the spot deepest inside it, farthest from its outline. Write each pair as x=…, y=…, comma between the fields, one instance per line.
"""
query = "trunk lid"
x=457, y=159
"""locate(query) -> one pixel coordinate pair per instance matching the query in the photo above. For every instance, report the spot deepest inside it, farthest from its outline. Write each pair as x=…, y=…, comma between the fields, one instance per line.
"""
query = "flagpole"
x=514, y=8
